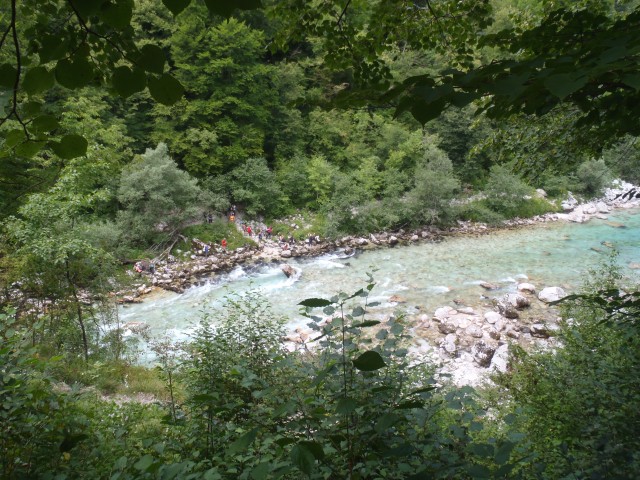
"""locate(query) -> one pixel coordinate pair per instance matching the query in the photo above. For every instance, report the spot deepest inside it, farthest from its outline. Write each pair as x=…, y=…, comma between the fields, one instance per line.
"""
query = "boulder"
x=448, y=344
x=507, y=310
x=397, y=299
x=489, y=286
x=287, y=269
x=551, y=294
x=526, y=287
x=474, y=331
x=466, y=310
x=492, y=317
x=415, y=238
x=500, y=359
x=516, y=300
x=447, y=327
x=482, y=354
x=393, y=240
x=443, y=312
x=285, y=254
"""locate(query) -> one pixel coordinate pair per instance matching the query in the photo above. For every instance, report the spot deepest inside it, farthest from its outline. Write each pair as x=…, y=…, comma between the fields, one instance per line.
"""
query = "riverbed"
x=415, y=278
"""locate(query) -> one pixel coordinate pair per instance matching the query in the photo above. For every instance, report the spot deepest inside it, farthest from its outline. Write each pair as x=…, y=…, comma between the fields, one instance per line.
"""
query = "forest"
x=127, y=124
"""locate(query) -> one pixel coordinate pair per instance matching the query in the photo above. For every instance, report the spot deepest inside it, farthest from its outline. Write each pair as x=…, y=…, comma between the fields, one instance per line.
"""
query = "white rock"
x=551, y=294
x=449, y=344
x=526, y=287
x=466, y=310
x=393, y=240
x=474, y=331
x=442, y=312
x=500, y=359
x=492, y=317
x=516, y=300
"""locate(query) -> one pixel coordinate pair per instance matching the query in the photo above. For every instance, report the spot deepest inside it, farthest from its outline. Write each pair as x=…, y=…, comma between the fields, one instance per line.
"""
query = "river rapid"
x=413, y=279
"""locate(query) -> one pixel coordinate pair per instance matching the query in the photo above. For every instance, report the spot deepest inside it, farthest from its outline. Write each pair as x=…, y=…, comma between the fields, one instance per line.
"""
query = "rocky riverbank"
x=177, y=275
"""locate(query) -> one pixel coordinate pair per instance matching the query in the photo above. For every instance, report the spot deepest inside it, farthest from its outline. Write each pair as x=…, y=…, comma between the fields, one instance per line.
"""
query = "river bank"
x=177, y=275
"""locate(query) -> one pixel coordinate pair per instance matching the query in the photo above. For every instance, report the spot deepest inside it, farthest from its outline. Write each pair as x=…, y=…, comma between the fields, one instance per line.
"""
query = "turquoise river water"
x=427, y=275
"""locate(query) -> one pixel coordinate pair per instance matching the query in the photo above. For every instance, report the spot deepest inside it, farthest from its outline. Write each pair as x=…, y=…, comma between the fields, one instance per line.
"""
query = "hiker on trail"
x=269, y=232
x=138, y=267
x=259, y=235
x=223, y=243
x=249, y=231
x=291, y=239
x=206, y=250
x=232, y=218
x=152, y=268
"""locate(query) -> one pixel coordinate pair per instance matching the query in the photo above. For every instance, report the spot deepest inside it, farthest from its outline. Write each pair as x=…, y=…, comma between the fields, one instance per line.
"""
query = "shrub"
x=593, y=177
x=505, y=192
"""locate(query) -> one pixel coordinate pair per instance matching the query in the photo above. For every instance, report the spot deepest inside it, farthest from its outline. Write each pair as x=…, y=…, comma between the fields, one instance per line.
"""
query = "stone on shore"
x=516, y=300
x=551, y=294
x=526, y=287
x=489, y=286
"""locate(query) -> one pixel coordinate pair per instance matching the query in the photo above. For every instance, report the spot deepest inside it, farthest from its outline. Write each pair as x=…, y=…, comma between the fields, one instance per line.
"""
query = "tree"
x=157, y=198
x=583, y=54
x=435, y=186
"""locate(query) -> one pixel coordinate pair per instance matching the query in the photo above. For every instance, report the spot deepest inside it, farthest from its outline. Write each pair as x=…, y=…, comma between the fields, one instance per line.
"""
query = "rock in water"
x=288, y=270
x=489, y=286
x=551, y=294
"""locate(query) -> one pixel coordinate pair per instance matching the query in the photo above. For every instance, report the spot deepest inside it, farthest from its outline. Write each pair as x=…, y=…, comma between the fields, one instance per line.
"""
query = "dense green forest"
x=125, y=123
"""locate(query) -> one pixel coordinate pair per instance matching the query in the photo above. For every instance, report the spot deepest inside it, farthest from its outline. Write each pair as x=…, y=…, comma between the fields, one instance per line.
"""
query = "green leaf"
x=346, y=405
x=176, y=6
x=14, y=137
x=166, y=89
x=386, y=421
x=88, y=7
x=144, y=463
x=44, y=124
x=633, y=80
x=71, y=146
x=117, y=14
x=424, y=112
x=315, y=302
x=243, y=442
x=261, y=471
x=53, y=47
x=31, y=109
x=369, y=361
x=226, y=7
x=76, y=74
x=7, y=75
x=504, y=453
x=368, y=323
x=302, y=458
x=37, y=80
x=565, y=84
x=479, y=471
x=29, y=149
x=151, y=59
x=314, y=447
x=127, y=82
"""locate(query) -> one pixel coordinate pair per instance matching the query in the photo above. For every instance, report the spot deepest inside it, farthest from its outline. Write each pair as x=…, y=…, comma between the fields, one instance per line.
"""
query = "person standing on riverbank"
x=223, y=244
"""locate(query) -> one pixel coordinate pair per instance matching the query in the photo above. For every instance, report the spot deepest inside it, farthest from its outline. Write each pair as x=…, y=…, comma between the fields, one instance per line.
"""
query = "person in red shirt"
x=224, y=243
x=249, y=231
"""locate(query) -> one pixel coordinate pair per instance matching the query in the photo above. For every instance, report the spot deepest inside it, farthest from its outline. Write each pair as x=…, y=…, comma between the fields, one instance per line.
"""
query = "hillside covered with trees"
x=127, y=124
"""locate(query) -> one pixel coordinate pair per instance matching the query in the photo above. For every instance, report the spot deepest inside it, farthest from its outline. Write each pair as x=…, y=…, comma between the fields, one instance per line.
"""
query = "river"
x=425, y=275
